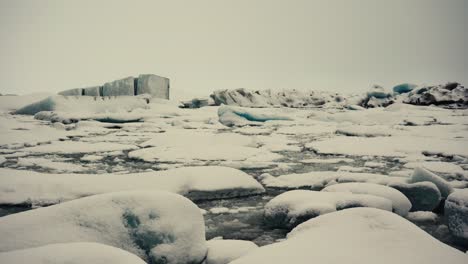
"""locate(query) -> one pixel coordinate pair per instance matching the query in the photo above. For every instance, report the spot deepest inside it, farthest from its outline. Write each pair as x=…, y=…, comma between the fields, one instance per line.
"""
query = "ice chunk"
x=404, y=88
x=154, y=85
x=152, y=225
x=25, y=187
x=456, y=211
x=119, y=87
x=236, y=116
x=424, y=196
x=401, y=204
x=291, y=208
x=422, y=175
x=71, y=253
x=357, y=235
x=224, y=251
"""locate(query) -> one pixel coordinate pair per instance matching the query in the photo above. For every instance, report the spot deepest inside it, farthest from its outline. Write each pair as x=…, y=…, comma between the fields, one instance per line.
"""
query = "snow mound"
x=450, y=93
x=236, y=116
x=357, y=235
x=28, y=187
x=401, y=204
x=71, y=253
x=291, y=208
x=224, y=251
x=456, y=211
x=422, y=175
x=151, y=225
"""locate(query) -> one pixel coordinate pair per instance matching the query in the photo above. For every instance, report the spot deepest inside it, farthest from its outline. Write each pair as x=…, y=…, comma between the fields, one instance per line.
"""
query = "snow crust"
x=28, y=187
x=151, y=225
x=401, y=204
x=357, y=235
x=291, y=208
x=71, y=253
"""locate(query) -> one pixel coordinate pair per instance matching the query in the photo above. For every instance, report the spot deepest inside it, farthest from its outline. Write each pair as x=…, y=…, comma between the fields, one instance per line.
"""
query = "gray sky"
x=206, y=45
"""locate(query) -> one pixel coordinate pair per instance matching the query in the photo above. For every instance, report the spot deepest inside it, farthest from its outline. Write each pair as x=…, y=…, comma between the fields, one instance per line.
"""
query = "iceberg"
x=122, y=87
x=152, y=225
x=404, y=88
x=236, y=116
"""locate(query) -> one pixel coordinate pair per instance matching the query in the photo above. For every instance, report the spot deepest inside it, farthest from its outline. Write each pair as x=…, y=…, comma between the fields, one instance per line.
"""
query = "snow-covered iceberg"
x=28, y=187
x=71, y=253
x=159, y=227
x=357, y=235
x=401, y=204
x=291, y=208
x=450, y=93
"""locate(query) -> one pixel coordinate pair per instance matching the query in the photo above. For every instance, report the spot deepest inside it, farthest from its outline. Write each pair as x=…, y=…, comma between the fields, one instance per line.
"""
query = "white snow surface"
x=295, y=205
x=222, y=251
x=152, y=225
x=357, y=235
x=401, y=204
x=71, y=253
x=18, y=187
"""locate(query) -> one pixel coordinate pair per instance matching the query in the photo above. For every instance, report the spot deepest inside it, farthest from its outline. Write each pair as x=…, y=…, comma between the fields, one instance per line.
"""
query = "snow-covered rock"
x=122, y=87
x=401, y=204
x=424, y=196
x=450, y=93
x=423, y=175
x=222, y=251
x=291, y=208
x=456, y=212
x=28, y=187
x=357, y=235
x=71, y=253
x=151, y=225
x=237, y=116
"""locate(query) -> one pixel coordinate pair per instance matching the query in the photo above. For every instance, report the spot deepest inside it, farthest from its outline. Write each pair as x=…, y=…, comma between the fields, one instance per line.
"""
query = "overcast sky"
x=208, y=45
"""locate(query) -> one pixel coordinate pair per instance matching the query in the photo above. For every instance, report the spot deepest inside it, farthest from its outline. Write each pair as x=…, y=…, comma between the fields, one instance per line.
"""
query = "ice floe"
x=357, y=235
x=152, y=225
x=28, y=187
